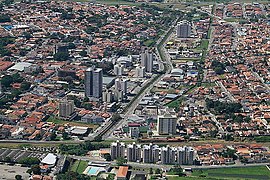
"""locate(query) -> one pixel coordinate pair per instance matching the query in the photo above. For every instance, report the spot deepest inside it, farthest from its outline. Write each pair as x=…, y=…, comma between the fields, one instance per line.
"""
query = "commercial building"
x=183, y=29
x=66, y=108
x=93, y=82
x=117, y=150
x=167, y=124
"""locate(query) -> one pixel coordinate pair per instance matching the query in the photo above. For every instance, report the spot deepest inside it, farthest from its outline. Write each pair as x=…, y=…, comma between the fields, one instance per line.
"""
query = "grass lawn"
x=149, y=42
x=119, y=2
x=256, y=172
x=79, y=166
x=203, y=45
x=72, y=123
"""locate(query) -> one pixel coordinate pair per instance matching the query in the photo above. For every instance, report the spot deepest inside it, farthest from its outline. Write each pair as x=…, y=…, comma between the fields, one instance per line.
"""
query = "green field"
x=79, y=166
x=72, y=123
x=256, y=172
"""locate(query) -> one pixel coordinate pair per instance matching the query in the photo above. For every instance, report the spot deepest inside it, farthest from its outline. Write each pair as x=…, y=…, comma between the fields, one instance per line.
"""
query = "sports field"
x=250, y=173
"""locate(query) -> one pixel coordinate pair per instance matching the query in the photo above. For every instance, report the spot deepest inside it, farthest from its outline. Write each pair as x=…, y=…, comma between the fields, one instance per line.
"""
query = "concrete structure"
x=185, y=155
x=93, y=82
x=134, y=132
x=66, y=108
x=167, y=124
x=167, y=155
x=149, y=153
x=121, y=84
x=183, y=29
x=133, y=152
x=147, y=61
x=117, y=150
x=140, y=72
x=118, y=70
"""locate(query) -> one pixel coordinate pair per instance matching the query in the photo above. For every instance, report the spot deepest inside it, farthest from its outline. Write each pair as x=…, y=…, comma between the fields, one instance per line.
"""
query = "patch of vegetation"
x=81, y=149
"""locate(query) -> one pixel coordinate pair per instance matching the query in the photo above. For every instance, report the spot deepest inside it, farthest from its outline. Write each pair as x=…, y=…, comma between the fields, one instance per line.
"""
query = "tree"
x=36, y=169
x=7, y=159
x=61, y=56
x=29, y=161
x=98, y=138
x=18, y=177
x=121, y=161
x=116, y=118
x=53, y=136
x=108, y=157
x=83, y=53
x=157, y=171
x=151, y=171
x=65, y=136
x=4, y=18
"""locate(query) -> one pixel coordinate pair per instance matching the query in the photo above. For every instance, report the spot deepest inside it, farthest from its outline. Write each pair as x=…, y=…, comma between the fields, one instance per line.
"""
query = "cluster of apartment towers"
x=153, y=153
x=94, y=80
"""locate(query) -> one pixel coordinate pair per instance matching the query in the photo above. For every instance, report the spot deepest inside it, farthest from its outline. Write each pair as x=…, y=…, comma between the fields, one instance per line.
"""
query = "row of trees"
x=81, y=149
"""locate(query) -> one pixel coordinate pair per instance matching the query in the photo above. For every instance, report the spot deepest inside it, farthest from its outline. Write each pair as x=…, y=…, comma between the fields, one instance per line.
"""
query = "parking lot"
x=17, y=154
x=9, y=172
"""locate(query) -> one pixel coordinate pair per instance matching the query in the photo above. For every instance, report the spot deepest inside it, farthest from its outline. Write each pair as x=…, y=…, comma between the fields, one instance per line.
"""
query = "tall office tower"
x=66, y=108
x=147, y=61
x=167, y=155
x=167, y=124
x=133, y=152
x=93, y=82
x=118, y=70
x=185, y=155
x=121, y=84
x=140, y=72
x=117, y=150
x=183, y=29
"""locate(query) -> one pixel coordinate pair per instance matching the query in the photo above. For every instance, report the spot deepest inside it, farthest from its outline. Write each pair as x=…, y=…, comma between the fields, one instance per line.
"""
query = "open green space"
x=119, y=2
x=256, y=172
x=79, y=166
x=203, y=45
x=56, y=120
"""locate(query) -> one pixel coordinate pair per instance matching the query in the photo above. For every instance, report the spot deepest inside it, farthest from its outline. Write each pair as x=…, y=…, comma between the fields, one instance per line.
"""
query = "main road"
x=167, y=64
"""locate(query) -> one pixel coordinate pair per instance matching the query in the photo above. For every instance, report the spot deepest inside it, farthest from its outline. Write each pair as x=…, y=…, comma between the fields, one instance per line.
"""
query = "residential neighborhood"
x=134, y=89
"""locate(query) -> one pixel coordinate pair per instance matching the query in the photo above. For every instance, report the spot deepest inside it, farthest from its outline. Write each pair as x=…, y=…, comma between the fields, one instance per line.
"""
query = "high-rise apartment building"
x=133, y=152
x=66, y=108
x=117, y=150
x=167, y=124
x=185, y=155
x=147, y=61
x=183, y=29
x=93, y=82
